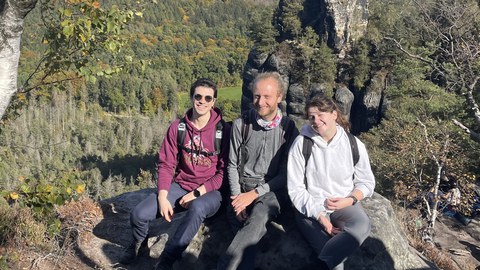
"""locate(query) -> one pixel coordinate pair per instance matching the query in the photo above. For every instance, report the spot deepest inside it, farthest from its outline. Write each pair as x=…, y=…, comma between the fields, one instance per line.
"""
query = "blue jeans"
x=355, y=226
x=241, y=252
x=201, y=208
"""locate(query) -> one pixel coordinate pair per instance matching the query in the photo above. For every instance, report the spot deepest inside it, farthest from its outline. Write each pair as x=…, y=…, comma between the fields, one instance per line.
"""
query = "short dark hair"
x=326, y=104
x=205, y=83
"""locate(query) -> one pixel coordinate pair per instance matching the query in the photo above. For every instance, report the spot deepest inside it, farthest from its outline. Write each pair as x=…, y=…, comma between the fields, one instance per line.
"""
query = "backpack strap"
x=218, y=136
x=182, y=127
x=354, y=146
x=243, y=152
x=307, y=152
x=307, y=148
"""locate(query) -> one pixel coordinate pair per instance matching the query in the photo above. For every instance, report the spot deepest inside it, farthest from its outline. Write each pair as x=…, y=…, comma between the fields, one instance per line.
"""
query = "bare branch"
x=400, y=47
x=473, y=135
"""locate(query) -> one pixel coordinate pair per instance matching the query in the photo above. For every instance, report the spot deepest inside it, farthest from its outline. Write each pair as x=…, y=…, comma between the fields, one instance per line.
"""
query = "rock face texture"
x=339, y=24
x=349, y=21
x=282, y=248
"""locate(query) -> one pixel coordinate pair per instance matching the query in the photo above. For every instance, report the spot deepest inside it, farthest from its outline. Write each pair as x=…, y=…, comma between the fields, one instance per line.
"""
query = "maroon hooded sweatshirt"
x=194, y=169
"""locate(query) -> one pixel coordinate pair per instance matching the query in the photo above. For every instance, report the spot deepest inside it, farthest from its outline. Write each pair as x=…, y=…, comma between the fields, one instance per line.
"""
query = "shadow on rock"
x=282, y=248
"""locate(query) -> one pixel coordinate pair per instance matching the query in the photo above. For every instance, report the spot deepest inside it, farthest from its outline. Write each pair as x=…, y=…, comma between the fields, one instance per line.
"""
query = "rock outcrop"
x=349, y=21
x=338, y=23
x=282, y=248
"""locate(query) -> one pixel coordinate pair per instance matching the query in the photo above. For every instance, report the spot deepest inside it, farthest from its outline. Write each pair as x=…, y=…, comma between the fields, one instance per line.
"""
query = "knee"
x=268, y=205
x=139, y=216
x=135, y=217
x=360, y=229
x=197, y=210
x=203, y=209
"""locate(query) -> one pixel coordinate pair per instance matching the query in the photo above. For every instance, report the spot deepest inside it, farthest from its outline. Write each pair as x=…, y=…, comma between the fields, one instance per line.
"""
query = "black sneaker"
x=166, y=262
x=134, y=250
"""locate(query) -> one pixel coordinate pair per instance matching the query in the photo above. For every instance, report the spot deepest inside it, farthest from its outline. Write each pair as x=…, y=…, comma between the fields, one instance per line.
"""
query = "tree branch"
x=400, y=47
x=473, y=135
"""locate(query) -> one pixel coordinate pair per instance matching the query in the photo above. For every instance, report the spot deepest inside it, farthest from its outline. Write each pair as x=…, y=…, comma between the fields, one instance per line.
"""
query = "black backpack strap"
x=181, y=129
x=218, y=136
x=307, y=148
x=245, y=127
x=307, y=152
x=354, y=146
x=288, y=126
x=242, y=151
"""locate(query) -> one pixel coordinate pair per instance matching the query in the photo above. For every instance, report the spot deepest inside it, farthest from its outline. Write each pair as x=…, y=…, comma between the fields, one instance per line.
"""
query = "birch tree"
x=12, y=15
x=76, y=33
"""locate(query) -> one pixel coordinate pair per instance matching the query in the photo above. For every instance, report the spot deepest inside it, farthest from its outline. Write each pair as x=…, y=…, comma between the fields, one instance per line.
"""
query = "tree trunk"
x=12, y=14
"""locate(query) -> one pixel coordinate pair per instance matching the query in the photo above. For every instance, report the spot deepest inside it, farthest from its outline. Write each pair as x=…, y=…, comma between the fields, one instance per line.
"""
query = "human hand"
x=187, y=199
x=242, y=216
x=338, y=203
x=242, y=200
x=165, y=208
x=327, y=225
x=325, y=222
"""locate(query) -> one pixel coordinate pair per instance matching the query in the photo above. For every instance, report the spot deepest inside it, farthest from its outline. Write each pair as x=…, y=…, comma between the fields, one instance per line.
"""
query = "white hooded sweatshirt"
x=329, y=172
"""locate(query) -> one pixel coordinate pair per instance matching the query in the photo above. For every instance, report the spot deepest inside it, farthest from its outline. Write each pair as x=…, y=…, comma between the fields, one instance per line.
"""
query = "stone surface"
x=282, y=248
x=341, y=24
x=349, y=22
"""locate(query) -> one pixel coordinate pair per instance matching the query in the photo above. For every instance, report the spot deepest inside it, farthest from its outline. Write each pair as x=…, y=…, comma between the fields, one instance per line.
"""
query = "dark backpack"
x=308, y=144
x=182, y=127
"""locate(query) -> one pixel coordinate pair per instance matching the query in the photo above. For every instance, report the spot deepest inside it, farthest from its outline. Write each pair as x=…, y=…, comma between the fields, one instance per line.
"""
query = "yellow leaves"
x=14, y=195
x=96, y=5
x=80, y=188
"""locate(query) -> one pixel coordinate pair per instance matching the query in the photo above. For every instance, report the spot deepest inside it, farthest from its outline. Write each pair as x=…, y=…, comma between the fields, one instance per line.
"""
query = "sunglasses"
x=199, y=97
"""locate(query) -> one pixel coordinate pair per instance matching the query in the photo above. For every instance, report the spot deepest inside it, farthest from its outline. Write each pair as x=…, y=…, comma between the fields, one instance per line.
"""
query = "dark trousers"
x=334, y=250
x=201, y=208
x=241, y=252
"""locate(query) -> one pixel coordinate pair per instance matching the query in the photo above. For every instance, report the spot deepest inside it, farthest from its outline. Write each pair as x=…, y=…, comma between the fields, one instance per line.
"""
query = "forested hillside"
x=67, y=136
x=172, y=44
x=96, y=134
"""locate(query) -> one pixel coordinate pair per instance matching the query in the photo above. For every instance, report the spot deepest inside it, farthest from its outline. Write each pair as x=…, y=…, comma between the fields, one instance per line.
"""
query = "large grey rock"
x=282, y=248
x=344, y=98
x=370, y=105
x=349, y=22
x=341, y=24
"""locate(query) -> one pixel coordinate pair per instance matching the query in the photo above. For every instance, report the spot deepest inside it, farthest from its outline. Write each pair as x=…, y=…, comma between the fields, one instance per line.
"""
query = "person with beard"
x=259, y=145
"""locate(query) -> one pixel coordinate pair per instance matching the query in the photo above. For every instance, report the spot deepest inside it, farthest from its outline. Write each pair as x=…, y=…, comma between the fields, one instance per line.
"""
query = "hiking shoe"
x=166, y=262
x=134, y=250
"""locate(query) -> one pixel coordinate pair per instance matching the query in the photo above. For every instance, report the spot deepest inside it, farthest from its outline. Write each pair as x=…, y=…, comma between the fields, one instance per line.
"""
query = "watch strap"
x=355, y=200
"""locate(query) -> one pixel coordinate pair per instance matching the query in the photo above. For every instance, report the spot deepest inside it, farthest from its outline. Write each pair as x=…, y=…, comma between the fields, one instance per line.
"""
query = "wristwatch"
x=355, y=200
x=196, y=193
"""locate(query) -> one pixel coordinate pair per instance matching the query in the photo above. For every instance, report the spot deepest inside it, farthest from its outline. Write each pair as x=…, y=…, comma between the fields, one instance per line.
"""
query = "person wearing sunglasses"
x=257, y=175
x=189, y=177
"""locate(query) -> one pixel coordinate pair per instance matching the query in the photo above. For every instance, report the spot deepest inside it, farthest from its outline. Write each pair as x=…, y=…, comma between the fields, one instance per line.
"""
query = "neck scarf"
x=268, y=125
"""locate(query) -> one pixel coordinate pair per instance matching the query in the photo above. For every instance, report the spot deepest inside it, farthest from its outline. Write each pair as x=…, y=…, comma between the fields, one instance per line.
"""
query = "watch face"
x=196, y=193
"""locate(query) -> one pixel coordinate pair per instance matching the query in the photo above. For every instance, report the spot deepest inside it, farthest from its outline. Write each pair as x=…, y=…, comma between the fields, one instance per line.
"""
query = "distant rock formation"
x=340, y=24
x=282, y=248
